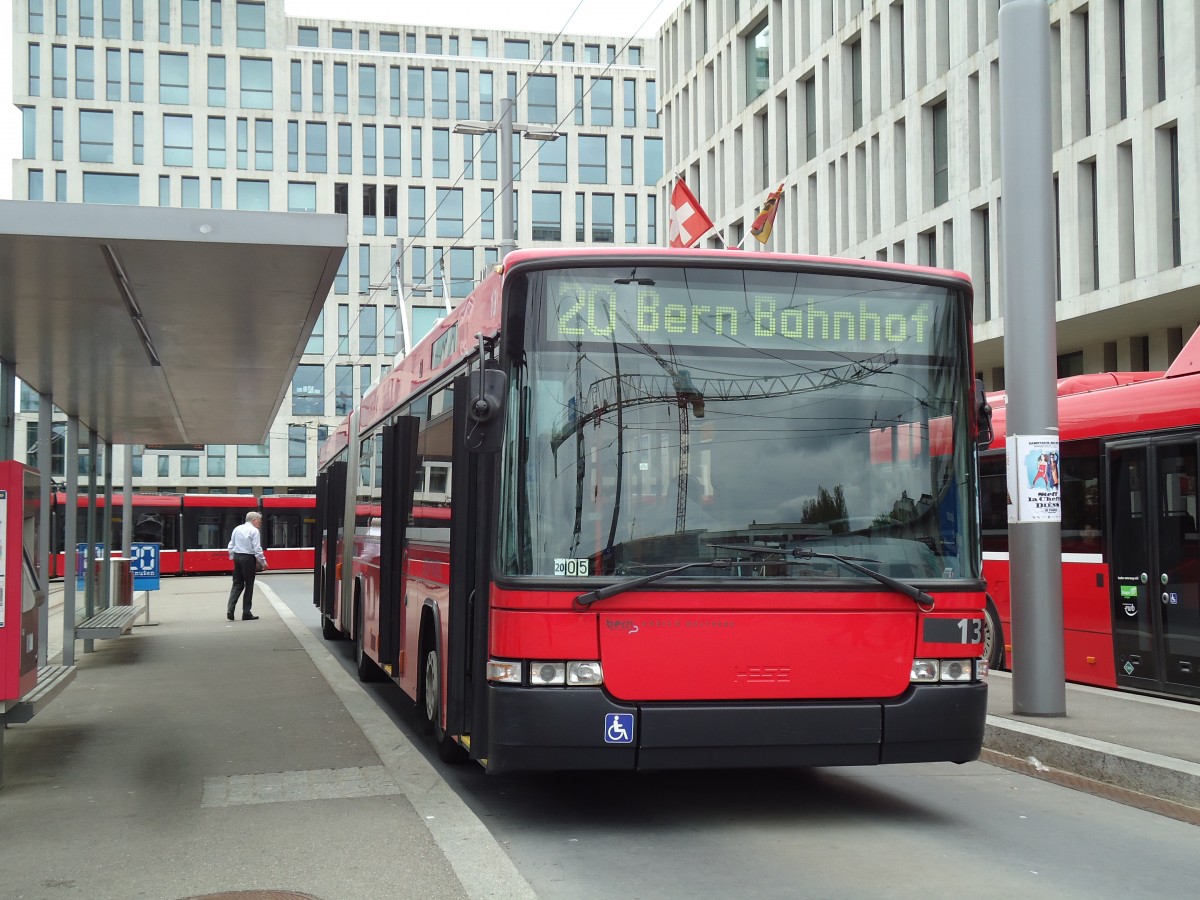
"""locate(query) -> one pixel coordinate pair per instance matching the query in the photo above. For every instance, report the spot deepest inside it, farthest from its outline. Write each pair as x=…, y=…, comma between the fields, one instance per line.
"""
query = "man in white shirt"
x=245, y=549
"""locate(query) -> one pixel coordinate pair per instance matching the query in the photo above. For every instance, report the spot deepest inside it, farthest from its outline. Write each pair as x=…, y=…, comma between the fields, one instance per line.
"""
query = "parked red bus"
x=1129, y=443
x=705, y=509
x=194, y=529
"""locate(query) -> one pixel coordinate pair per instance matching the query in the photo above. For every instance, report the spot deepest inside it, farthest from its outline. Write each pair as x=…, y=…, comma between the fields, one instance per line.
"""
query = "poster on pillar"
x=1034, y=479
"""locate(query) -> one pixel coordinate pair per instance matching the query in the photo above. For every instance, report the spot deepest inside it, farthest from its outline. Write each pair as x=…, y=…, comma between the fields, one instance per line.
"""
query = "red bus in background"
x=1129, y=445
x=646, y=508
x=194, y=529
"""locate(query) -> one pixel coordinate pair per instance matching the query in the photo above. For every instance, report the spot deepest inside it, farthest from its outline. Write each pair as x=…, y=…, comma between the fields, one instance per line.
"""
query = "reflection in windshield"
x=631, y=447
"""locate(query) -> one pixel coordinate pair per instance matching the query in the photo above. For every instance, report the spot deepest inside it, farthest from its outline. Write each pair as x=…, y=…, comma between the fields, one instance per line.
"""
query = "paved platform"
x=202, y=757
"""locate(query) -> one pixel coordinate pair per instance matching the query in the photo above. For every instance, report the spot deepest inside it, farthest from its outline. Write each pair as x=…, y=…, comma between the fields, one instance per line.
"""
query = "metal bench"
x=109, y=623
x=51, y=681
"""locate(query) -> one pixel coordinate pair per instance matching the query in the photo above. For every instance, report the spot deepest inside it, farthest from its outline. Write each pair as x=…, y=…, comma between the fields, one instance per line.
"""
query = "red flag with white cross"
x=689, y=222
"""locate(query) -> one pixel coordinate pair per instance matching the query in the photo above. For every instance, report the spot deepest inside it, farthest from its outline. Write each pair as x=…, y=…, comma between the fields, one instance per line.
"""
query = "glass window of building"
x=366, y=90
x=516, y=49
x=389, y=41
x=485, y=95
x=177, y=140
x=391, y=207
x=410, y=42
x=215, y=23
x=139, y=138
x=190, y=192
x=316, y=340
x=216, y=81
x=216, y=142
x=757, y=48
x=593, y=159
x=344, y=326
x=629, y=102
x=343, y=390
x=462, y=271
x=941, y=153
x=462, y=94
x=56, y=132
x=307, y=36
x=318, y=86
x=610, y=53
x=164, y=465
x=253, y=195
x=423, y=320
x=433, y=44
x=253, y=460
x=416, y=92
x=370, y=145
x=36, y=18
x=35, y=69
x=293, y=146
x=487, y=214
x=36, y=184
x=251, y=25
x=626, y=159
x=137, y=77
x=635, y=56
x=368, y=325
x=164, y=21
x=364, y=268
x=256, y=83
x=342, y=39
x=578, y=99
x=652, y=160
x=631, y=218
x=479, y=46
x=602, y=218
x=441, y=153
x=95, y=136
x=243, y=143
x=112, y=77
x=28, y=133
x=99, y=187
x=85, y=73
x=190, y=21
x=651, y=219
x=315, y=147
x=591, y=53
x=580, y=218
x=345, y=133
x=487, y=157
x=369, y=208
x=214, y=458
x=449, y=212
x=394, y=90
x=391, y=149
x=416, y=142
x=215, y=194
x=297, y=451
x=341, y=87
x=552, y=160
x=440, y=93
x=651, y=104
x=58, y=71
x=297, y=68
x=543, y=99
x=341, y=281
x=416, y=212
x=547, y=216
x=302, y=197
x=602, y=101
x=164, y=190
x=263, y=145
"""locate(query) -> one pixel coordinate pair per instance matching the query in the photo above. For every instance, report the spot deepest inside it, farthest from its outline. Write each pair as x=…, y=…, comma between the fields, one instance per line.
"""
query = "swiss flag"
x=689, y=222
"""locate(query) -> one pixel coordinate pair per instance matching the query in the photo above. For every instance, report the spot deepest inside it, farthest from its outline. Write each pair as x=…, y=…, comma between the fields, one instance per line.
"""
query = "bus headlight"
x=584, y=673
x=544, y=673
x=957, y=670
x=924, y=670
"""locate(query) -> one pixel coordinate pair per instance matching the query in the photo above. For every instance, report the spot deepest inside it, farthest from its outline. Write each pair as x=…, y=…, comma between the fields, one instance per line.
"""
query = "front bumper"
x=585, y=729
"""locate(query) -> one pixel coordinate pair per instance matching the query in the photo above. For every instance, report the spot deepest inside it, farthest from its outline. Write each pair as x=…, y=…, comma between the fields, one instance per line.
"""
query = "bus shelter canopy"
x=164, y=326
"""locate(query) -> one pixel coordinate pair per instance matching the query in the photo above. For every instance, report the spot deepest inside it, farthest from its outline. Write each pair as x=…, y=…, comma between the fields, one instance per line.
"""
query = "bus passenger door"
x=473, y=482
x=1155, y=564
x=331, y=502
x=399, y=469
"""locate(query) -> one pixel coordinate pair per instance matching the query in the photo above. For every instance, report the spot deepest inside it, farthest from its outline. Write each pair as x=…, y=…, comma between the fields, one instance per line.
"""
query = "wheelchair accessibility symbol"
x=618, y=728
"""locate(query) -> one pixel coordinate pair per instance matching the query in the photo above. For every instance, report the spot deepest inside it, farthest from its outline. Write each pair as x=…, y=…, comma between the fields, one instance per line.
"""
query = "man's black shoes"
x=249, y=617
x=229, y=616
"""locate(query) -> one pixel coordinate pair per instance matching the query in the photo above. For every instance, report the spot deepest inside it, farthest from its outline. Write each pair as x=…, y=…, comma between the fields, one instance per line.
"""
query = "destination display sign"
x=756, y=309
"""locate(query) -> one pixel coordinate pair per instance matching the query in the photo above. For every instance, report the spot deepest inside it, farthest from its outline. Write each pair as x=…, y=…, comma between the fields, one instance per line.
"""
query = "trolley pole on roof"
x=1032, y=450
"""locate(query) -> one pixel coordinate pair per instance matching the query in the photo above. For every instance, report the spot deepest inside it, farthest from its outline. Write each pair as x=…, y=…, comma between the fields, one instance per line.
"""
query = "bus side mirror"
x=983, y=417
x=486, y=389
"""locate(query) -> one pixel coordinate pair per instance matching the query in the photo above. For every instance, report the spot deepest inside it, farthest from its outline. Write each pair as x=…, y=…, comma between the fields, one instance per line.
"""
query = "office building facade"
x=232, y=104
x=881, y=118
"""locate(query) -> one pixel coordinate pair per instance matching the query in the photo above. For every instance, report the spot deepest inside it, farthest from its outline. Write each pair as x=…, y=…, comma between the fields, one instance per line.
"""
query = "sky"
x=604, y=18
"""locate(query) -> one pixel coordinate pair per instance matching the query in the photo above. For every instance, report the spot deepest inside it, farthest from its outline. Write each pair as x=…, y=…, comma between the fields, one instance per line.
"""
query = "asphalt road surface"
x=927, y=831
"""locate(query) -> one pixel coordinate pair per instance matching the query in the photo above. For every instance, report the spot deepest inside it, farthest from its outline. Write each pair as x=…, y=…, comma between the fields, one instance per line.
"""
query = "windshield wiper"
x=621, y=587
x=922, y=599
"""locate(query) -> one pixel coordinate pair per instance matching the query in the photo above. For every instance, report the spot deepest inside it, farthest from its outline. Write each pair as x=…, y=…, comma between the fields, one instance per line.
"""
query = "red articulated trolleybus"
x=194, y=529
x=705, y=509
x=1129, y=444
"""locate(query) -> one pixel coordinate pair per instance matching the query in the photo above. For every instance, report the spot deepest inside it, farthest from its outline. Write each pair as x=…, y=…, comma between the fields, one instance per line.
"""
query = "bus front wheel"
x=993, y=637
x=448, y=750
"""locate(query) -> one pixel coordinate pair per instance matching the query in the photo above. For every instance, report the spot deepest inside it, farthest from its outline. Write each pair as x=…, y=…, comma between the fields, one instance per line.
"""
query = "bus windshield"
x=664, y=415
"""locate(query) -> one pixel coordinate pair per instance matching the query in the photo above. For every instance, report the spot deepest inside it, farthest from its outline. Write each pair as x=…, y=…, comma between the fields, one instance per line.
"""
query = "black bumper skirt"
x=550, y=729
